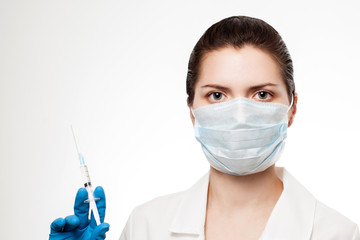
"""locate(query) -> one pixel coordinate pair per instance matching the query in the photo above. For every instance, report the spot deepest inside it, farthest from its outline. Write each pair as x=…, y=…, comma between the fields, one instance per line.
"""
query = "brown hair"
x=238, y=31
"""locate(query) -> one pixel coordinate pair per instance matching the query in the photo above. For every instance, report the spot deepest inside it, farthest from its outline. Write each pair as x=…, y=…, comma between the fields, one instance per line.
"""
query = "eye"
x=216, y=96
x=263, y=96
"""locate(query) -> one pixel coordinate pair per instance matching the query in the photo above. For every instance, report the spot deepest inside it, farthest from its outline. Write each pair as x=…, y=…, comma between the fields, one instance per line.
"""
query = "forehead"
x=239, y=67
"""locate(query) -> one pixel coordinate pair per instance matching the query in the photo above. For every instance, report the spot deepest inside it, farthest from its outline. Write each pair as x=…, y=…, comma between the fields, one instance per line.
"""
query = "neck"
x=228, y=191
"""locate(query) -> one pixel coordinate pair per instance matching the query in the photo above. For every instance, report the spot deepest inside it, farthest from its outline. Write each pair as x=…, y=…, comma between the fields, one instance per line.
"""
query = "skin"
x=239, y=207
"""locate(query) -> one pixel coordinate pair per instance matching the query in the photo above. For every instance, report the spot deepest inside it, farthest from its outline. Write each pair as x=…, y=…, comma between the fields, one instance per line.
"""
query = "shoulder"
x=166, y=206
x=330, y=224
x=152, y=219
x=309, y=215
x=161, y=217
x=163, y=205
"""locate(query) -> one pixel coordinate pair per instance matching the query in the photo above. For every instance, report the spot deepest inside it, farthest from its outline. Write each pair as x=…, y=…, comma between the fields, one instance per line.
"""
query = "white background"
x=116, y=70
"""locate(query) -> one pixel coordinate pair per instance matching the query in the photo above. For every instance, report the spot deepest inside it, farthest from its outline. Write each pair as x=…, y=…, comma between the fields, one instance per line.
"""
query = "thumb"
x=100, y=232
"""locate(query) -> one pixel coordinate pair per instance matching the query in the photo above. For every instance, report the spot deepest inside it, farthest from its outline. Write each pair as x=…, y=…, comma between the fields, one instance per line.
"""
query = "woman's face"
x=247, y=72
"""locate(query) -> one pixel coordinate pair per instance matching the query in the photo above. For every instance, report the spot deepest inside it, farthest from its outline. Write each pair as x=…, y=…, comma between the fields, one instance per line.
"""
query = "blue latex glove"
x=78, y=226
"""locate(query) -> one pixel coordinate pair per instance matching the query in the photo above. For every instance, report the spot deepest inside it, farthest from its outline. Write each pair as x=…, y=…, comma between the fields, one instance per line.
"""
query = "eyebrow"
x=252, y=88
x=261, y=86
x=219, y=87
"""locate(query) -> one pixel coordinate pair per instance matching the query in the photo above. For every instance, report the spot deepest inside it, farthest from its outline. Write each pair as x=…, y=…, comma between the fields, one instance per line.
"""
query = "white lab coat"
x=296, y=215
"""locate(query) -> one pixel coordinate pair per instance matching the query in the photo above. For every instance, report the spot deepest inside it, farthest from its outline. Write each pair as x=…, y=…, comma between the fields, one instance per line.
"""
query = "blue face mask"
x=241, y=136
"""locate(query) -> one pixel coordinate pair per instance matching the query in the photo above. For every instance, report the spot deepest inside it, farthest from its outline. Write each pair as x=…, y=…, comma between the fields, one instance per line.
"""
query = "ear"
x=292, y=111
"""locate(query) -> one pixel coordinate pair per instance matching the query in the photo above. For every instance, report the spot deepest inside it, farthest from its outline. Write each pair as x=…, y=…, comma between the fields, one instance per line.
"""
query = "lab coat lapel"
x=190, y=216
x=293, y=214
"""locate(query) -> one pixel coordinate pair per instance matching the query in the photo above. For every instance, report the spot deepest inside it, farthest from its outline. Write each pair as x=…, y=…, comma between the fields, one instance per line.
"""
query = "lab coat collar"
x=190, y=216
x=291, y=218
x=293, y=214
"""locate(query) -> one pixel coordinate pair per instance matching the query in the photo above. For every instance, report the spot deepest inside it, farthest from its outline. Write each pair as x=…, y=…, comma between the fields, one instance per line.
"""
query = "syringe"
x=87, y=183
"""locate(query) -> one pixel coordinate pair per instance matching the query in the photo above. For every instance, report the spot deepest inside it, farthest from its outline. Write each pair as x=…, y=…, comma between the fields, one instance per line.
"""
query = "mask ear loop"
x=195, y=121
x=291, y=105
x=292, y=102
x=192, y=112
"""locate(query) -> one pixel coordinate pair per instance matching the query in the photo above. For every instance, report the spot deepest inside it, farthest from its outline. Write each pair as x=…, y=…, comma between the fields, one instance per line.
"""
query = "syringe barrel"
x=85, y=175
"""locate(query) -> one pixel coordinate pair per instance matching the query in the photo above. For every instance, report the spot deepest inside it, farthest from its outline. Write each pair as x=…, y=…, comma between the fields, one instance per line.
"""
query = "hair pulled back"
x=238, y=31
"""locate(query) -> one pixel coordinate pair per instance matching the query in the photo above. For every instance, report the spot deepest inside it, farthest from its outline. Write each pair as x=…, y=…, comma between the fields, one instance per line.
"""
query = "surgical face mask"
x=241, y=136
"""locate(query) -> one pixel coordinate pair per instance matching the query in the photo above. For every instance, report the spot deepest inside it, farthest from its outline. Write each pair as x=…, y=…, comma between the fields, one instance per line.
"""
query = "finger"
x=99, y=232
x=57, y=225
x=81, y=208
x=71, y=222
x=100, y=204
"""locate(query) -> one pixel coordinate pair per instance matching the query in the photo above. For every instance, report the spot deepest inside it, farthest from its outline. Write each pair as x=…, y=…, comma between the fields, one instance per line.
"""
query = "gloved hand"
x=78, y=226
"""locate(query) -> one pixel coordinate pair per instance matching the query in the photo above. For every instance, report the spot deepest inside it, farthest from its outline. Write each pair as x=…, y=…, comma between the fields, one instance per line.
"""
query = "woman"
x=242, y=99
